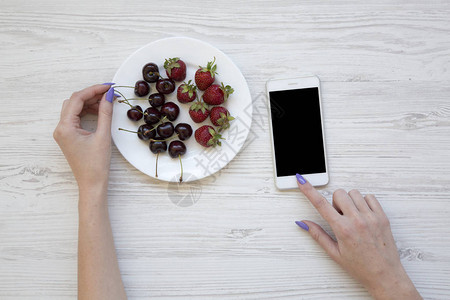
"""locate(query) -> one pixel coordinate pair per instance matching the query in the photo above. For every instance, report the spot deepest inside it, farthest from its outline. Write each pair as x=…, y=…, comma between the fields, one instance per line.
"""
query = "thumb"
x=321, y=237
x=105, y=112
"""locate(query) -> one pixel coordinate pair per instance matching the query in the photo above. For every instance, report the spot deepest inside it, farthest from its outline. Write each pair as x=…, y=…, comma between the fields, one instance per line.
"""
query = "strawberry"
x=187, y=92
x=204, y=77
x=175, y=68
x=199, y=112
x=207, y=136
x=217, y=94
x=220, y=116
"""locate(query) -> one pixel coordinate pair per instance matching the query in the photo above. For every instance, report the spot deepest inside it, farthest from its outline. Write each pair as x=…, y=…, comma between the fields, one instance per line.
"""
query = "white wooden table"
x=385, y=74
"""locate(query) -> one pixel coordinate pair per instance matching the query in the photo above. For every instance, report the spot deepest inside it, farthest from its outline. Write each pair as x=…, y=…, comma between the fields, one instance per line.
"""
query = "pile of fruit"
x=158, y=128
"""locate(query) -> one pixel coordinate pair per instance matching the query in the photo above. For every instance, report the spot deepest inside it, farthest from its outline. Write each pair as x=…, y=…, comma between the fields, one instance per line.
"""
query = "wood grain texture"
x=385, y=75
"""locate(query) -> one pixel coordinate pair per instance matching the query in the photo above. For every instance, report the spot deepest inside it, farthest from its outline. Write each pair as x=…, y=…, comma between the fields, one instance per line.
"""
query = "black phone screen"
x=297, y=131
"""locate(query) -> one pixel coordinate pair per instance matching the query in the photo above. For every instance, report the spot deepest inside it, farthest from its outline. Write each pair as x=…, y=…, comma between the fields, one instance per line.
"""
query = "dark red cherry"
x=141, y=88
x=156, y=99
x=165, y=85
x=152, y=115
x=177, y=148
x=165, y=129
x=183, y=130
x=135, y=113
x=170, y=110
x=146, y=132
x=150, y=72
x=157, y=146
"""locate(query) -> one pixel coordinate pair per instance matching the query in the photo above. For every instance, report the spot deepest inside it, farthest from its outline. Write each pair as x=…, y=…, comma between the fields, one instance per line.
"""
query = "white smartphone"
x=298, y=140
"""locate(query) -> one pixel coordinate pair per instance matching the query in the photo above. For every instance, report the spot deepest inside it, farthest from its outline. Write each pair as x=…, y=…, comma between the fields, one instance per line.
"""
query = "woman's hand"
x=364, y=244
x=88, y=153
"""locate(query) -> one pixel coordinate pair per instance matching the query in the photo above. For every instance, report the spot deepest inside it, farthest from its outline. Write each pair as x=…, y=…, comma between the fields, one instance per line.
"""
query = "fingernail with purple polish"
x=110, y=95
x=300, y=179
x=302, y=225
x=108, y=83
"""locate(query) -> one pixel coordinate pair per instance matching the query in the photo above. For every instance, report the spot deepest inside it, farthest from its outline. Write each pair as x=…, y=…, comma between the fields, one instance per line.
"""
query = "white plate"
x=198, y=162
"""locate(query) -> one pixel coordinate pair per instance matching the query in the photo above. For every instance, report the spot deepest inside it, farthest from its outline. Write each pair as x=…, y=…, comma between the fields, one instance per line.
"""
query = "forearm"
x=98, y=269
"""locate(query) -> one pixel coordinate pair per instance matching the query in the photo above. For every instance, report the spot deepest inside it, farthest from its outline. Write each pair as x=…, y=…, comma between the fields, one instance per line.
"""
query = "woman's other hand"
x=364, y=244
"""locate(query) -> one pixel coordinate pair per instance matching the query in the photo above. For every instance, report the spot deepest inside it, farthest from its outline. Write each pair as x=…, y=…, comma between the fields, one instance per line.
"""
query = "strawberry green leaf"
x=171, y=63
x=210, y=67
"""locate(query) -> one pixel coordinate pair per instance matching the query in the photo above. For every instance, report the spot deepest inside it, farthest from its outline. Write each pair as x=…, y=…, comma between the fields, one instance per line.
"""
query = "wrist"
x=394, y=286
x=93, y=194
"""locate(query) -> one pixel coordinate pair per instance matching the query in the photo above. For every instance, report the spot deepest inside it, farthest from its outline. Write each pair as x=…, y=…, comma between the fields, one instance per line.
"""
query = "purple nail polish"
x=302, y=225
x=117, y=95
x=300, y=179
x=110, y=95
x=108, y=83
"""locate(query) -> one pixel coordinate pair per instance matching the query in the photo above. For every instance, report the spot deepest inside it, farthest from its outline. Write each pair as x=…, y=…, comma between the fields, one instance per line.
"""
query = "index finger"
x=325, y=209
x=87, y=96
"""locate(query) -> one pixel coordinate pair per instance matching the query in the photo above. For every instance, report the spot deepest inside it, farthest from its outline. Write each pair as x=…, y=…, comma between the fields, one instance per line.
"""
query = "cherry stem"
x=125, y=100
x=150, y=130
x=122, y=96
x=162, y=120
x=147, y=131
x=125, y=86
x=132, y=106
x=181, y=166
x=123, y=129
x=156, y=168
x=144, y=113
